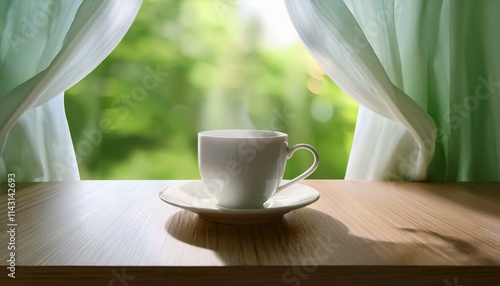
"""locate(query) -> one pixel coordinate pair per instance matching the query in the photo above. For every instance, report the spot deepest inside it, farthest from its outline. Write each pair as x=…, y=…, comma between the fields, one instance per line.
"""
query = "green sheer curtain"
x=427, y=75
x=46, y=47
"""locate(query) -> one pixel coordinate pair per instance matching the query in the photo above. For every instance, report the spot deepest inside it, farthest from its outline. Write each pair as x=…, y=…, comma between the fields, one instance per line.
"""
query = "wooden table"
x=358, y=232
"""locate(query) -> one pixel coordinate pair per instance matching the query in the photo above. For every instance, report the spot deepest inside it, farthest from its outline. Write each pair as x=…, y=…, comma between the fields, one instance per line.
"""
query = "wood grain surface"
x=384, y=233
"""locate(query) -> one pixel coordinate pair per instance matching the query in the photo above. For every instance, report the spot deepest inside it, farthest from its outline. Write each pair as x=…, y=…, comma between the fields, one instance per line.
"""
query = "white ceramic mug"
x=244, y=168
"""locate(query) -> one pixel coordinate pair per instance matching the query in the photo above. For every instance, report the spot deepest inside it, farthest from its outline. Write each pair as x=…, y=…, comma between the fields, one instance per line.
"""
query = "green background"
x=213, y=71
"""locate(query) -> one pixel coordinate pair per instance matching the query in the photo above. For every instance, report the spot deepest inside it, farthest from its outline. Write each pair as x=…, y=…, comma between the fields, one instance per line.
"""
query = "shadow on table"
x=310, y=237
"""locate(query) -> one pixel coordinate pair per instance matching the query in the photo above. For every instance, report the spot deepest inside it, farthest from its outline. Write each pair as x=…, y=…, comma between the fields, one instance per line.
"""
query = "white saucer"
x=190, y=196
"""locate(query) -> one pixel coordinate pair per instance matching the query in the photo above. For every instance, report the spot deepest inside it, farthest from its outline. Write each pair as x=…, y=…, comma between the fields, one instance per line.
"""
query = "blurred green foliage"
x=210, y=70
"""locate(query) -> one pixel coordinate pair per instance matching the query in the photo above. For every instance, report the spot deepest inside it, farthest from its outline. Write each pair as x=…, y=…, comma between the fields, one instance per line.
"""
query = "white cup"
x=244, y=168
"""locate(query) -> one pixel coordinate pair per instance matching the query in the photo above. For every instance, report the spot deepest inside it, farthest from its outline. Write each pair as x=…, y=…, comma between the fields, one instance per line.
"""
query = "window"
x=187, y=66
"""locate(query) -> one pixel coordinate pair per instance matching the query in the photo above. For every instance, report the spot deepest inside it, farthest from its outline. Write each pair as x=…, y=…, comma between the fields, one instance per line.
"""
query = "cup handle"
x=308, y=171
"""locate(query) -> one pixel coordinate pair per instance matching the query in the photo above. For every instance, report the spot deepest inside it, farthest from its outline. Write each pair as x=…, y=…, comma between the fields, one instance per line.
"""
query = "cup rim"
x=241, y=133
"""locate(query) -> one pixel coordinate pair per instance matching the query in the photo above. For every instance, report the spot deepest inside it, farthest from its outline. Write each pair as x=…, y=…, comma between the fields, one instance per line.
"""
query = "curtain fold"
x=414, y=67
x=47, y=47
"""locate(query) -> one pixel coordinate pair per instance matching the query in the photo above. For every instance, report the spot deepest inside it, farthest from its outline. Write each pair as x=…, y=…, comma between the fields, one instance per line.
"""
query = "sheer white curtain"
x=410, y=65
x=47, y=46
